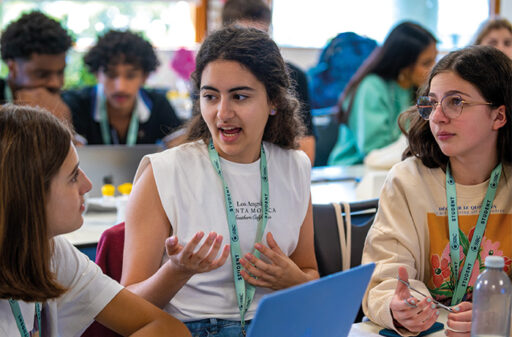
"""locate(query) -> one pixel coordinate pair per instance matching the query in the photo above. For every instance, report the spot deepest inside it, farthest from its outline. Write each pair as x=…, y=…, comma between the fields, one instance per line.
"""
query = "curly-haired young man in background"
x=34, y=48
x=118, y=110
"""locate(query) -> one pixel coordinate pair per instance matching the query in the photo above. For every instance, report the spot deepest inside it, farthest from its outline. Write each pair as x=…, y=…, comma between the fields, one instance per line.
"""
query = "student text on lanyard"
x=462, y=281
x=15, y=308
x=244, y=291
x=133, y=129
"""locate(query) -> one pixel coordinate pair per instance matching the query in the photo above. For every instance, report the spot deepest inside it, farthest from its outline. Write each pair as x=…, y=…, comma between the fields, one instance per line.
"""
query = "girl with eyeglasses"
x=47, y=287
x=448, y=204
x=381, y=89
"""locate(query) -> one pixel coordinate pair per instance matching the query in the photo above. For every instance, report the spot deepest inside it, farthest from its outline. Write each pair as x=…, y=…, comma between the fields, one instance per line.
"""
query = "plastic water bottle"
x=492, y=295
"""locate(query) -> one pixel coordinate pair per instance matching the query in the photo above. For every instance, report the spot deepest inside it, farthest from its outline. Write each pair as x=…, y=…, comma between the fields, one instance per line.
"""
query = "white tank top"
x=192, y=197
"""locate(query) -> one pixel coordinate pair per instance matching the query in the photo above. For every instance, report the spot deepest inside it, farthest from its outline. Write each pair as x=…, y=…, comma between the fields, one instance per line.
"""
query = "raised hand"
x=280, y=273
x=186, y=261
x=460, y=320
x=411, y=313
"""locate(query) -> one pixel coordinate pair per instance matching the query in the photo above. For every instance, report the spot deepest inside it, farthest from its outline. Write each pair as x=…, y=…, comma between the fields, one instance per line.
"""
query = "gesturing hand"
x=280, y=273
x=460, y=320
x=411, y=313
x=203, y=260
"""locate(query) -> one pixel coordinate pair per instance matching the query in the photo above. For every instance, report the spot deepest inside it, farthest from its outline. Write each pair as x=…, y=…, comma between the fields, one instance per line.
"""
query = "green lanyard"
x=453, y=222
x=133, y=129
x=244, y=291
x=15, y=308
x=8, y=94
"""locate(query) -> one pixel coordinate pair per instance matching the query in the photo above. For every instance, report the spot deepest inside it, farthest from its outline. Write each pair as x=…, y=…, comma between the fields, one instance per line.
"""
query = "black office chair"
x=328, y=247
x=325, y=122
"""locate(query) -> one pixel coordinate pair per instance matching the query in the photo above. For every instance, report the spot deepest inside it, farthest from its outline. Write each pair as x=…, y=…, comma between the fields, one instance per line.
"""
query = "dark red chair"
x=109, y=256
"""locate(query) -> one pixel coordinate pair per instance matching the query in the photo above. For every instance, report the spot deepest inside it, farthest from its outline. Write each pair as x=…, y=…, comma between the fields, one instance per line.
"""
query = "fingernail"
x=258, y=246
x=429, y=300
x=412, y=302
x=173, y=239
x=437, y=312
x=457, y=309
x=433, y=306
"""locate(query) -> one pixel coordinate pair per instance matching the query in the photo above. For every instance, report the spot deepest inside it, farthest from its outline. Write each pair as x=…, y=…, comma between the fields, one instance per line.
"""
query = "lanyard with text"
x=462, y=281
x=15, y=308
x=244, y=292
x=133, y=129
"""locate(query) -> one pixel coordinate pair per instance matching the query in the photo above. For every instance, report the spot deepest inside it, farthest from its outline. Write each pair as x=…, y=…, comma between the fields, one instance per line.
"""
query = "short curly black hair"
x=121, y=47
x=32, y=33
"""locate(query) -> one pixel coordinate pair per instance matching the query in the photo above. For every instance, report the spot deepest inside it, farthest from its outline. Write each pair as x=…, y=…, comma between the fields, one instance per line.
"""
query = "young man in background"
x=34, y=48
x=118, y=110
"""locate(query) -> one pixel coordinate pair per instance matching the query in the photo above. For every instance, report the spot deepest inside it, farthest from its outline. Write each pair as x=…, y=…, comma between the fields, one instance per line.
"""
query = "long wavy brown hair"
x=255, y=51
x=33, y=146
x=486, y=68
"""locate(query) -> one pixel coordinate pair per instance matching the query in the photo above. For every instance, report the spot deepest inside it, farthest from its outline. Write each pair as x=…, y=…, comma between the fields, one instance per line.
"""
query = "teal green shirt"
x=373, y=121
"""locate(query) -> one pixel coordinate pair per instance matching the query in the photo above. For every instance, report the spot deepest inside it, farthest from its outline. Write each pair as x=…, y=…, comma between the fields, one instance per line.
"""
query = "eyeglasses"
x=452, y=106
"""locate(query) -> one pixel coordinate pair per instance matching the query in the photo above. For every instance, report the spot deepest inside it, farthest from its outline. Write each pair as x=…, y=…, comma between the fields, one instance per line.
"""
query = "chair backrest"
x=109, y=256
x=327, y=238
x=109, y=253
x=326, y=126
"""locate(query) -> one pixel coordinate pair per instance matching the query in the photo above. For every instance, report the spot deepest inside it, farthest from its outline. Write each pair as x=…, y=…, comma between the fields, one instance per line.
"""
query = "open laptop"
x=325, y=307
x=119, y=162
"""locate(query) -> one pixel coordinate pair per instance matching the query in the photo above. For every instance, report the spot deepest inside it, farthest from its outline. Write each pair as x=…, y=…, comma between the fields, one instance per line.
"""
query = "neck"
x=473, y=171
x=12, y=87
x=247, y=157
x=119, y=119
x=403, y=82
x=119, y=113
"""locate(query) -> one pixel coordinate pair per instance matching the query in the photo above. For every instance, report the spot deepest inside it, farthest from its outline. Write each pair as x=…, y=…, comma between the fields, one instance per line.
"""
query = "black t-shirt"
x=161, y=122
x=300, y=81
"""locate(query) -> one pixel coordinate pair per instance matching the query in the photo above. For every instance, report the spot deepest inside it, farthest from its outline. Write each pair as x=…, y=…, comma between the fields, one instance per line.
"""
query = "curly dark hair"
x=32, y=33
x=117, y=47
x=255, y=51
x=488, y=70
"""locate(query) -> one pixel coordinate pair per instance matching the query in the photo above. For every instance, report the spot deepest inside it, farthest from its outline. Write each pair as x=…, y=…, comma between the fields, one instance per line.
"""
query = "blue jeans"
x=213, y=327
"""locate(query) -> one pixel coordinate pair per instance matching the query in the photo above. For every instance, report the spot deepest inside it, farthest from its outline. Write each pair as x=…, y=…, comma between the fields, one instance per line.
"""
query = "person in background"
x=47, y=287
x=448, y=205
x=380, y=90
x=496, y=32
x=34, y=48
x=239, y=176
x=118, y=110
x=257, y=14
